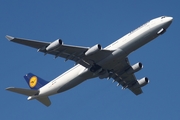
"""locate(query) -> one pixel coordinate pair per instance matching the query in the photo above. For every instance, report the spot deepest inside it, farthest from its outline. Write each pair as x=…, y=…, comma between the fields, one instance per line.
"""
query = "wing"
x=30, y=43
x=128, y=80
x=69, y=52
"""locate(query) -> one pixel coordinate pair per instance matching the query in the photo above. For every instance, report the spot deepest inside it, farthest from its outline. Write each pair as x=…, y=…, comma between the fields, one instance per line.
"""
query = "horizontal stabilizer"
x=44, y=100
x=23, y=91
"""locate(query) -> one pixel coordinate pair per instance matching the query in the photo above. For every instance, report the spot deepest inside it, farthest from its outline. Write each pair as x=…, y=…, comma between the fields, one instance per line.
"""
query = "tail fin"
x=34, y=81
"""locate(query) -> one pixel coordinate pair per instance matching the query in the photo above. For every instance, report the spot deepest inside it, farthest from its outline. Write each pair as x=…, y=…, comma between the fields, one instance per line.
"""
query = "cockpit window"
x=162, y=17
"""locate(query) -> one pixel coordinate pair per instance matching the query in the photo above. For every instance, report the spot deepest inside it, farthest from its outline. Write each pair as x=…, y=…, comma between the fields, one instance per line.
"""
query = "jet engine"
x=54, y=45
x=140, y=83
x=93, y=50
x=136, y=67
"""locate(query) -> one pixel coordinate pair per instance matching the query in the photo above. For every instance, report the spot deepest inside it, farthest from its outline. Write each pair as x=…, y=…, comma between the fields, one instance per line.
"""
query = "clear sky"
x=86, y=23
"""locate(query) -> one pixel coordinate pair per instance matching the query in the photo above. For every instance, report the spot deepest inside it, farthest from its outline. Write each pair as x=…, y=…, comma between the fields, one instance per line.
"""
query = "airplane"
x=110, y=62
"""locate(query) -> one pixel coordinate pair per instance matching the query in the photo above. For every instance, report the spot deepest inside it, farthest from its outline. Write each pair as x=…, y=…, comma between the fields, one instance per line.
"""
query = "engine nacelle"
x=93, y=50
x=54, y=45
x=136, y=67
x=140, y=83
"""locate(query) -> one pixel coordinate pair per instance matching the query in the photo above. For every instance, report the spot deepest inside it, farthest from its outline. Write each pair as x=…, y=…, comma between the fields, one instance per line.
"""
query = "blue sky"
x=86, y=23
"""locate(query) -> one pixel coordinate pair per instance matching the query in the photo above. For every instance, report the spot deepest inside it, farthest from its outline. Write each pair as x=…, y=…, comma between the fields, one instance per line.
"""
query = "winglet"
x=9, y=37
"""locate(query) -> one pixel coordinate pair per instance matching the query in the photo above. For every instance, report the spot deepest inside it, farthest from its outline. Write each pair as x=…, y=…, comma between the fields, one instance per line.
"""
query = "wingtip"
x=8, y=88
x=49, y=104
x=9, y=37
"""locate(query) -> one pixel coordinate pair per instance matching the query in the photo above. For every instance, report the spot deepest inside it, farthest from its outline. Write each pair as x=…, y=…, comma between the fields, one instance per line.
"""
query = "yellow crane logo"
x=33, y=81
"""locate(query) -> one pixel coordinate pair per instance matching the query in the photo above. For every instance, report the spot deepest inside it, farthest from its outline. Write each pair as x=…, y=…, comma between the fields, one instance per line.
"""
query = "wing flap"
x=76, y=54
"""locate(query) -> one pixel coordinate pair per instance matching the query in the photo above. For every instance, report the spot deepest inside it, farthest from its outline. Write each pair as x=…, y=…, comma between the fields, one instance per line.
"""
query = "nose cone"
x=169, y=19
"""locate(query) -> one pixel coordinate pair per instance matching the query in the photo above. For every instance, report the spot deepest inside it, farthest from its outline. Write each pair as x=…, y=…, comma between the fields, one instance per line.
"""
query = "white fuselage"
x=127, y=44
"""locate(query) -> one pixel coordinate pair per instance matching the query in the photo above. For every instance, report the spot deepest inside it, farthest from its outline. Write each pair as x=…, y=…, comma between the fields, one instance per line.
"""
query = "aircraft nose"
x=169, y=19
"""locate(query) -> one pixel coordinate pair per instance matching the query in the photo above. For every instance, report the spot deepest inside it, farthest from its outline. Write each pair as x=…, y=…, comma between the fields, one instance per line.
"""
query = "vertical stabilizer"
x=34, y=81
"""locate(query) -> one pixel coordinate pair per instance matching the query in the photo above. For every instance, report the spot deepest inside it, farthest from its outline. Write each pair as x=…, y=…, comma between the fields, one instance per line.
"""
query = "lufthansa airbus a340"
x=110, y=62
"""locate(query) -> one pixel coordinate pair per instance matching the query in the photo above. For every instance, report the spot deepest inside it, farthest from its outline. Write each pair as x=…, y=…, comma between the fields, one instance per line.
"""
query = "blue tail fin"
x=34, y=81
